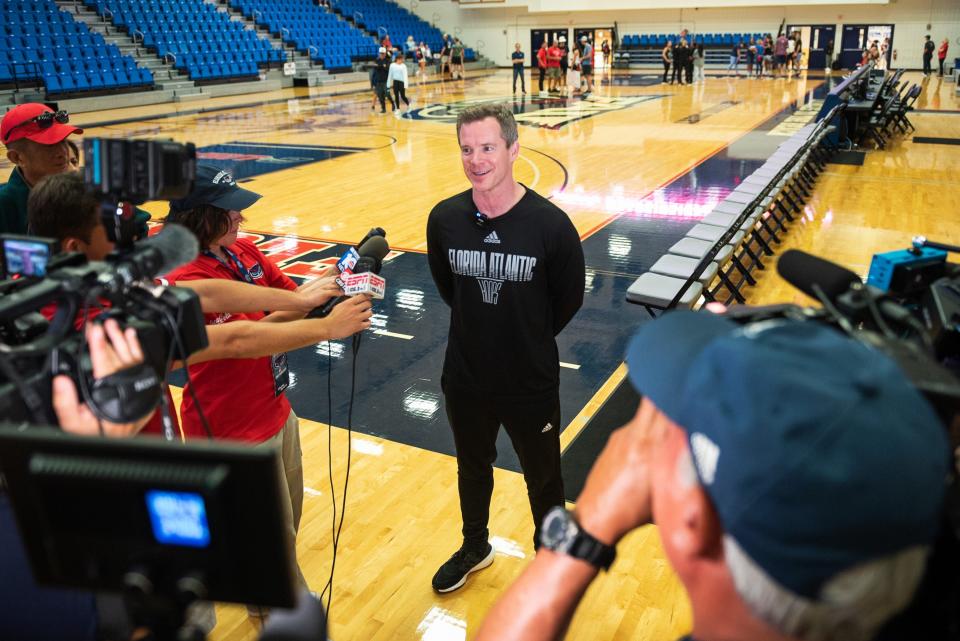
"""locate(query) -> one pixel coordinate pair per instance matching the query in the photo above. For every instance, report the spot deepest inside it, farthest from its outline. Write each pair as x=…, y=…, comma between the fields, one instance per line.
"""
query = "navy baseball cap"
x=816, y=451
x=215, y=187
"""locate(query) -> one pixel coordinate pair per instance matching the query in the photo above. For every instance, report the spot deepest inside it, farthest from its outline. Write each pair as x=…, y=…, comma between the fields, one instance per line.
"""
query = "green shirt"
x=13, y=204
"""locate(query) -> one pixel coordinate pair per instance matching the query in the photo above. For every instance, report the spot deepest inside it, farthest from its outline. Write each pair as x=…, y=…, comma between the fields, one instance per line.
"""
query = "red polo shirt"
x=237, y=395
x=553, y=56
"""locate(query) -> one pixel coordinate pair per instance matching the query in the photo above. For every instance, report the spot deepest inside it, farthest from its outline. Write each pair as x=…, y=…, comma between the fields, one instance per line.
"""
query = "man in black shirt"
x=795, y=475
x=381, y=70
x=928, y=48
x=509, y=264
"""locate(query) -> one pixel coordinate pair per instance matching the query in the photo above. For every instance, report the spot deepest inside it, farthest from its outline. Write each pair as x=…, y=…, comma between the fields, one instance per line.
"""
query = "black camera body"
x=49, y=296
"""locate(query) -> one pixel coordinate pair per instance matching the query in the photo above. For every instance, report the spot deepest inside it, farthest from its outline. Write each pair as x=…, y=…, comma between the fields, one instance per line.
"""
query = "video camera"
x=909, y=308
x=48, y=296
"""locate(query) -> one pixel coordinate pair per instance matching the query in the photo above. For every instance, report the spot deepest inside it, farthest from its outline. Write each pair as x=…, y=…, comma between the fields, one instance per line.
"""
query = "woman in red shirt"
x=942, y=53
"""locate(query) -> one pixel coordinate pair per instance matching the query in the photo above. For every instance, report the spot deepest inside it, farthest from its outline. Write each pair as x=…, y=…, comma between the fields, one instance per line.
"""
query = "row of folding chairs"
x=890, y=113
x=716, y=258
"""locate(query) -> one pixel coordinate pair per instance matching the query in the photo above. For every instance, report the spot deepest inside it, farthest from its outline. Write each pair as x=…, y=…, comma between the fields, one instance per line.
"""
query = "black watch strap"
x=592, y=551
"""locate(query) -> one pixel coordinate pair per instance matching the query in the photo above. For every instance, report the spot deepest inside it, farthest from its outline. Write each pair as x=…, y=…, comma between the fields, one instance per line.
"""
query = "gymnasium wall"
x=494, y=28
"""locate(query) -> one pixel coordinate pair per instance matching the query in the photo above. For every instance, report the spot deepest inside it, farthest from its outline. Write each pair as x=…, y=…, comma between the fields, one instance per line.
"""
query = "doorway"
x=537, y=36
x=818, y=41
x=857, y=37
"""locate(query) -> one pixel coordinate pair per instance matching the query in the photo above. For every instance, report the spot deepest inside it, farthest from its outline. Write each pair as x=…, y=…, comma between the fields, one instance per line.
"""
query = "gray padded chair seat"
x=657, y=290
x=694, y=248
x=683, y=267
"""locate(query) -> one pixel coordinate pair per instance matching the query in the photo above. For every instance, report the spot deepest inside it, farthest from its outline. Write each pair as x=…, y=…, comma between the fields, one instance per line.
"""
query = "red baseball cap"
x=20, y=122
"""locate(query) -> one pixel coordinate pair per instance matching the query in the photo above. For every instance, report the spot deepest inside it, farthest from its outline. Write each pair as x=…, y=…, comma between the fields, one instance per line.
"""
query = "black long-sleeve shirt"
x=512, y=286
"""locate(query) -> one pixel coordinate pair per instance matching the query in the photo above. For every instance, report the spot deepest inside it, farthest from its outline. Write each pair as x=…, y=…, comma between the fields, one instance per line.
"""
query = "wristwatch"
x=561, y=533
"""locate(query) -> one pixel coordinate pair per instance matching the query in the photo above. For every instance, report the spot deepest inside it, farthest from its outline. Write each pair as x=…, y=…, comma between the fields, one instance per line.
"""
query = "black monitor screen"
x=90, y=510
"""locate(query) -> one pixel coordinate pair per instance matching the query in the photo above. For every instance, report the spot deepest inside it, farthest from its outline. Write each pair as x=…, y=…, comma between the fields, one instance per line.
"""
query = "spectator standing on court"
x=381, y=70
x=780, y=54
x=605, y=49
x=797, y=51
x=456, y=59
x=586, y=64
x=760, y=51
x=553, y=67
x=680, y=54
x=751, y=56
x=688, y=62
x=735, y=58
x=667, y=56
x=698, y=61
x=518, y=60
x=828, y=55
x=542, y=63
x=564, y=61
x=397, y=80
x=942, y=53
x=928, y=48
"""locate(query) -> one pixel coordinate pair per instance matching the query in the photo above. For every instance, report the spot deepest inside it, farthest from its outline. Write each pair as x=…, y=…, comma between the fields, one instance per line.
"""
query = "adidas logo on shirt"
x=492, y=238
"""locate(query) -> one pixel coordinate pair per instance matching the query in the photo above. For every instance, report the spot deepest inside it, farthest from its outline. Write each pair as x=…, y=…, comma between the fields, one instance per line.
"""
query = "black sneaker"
x=453, y=573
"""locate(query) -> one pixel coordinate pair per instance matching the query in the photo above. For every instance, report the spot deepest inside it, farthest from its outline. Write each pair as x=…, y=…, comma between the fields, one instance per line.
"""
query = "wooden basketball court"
x=631, y=165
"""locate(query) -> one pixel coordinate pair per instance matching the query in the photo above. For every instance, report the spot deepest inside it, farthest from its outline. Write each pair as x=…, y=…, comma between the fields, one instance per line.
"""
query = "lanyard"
x=243, y=272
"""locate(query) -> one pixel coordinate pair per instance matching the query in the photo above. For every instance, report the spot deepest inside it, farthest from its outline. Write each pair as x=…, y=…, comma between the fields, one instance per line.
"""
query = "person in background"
x=928, y=48
x=518, y=60
x=73, y=155
x=667, y=56
x=586, y=64
x=457, y=53
x=605, y=49
x=698, y=60
x=542, y=63
x=680, y=54
x=751, y=56
x=397, y=81
x=564, y=62
x=942, y=53
x=381, y=71
x=688, y=62
x=761, y=48
x=734, y=65
x=553, y=68
x=828, y=54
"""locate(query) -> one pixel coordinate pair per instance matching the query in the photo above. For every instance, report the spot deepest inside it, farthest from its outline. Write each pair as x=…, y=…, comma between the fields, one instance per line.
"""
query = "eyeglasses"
x=44, y=121
x=480, y=220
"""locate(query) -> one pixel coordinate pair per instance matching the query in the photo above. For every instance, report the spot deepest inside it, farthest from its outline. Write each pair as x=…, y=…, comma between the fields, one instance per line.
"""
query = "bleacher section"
x=312, y=30
x=203, y=42
x=43, y=44
x=381, y=17
x=659, y=40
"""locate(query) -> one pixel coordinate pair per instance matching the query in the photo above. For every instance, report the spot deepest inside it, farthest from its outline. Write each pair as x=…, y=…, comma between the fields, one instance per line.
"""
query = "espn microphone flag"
x=365, y=283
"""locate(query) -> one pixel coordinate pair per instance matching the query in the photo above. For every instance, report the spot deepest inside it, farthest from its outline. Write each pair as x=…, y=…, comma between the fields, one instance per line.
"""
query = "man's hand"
x=111, y=350
x=351, y=316
x=318, y=291
x=616, y=497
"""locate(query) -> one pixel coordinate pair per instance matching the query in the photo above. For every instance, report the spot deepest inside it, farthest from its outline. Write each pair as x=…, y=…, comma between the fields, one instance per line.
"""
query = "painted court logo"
x=549, y=112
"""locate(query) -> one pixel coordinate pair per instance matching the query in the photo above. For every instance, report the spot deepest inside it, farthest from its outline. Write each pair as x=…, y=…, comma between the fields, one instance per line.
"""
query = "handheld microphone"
x=372, y=253
x=350, y=257
x=805, y=271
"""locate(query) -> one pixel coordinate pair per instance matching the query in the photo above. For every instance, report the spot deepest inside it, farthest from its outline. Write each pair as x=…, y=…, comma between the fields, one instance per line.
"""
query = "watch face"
x=556, y=528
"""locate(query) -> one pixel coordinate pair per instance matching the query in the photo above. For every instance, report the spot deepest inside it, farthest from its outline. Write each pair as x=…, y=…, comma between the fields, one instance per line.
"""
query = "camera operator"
x=796, y=477
x=36, y=140
x=29, y=612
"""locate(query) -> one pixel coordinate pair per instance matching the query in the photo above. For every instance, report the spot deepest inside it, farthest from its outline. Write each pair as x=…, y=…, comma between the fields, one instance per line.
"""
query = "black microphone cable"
x=337, y=527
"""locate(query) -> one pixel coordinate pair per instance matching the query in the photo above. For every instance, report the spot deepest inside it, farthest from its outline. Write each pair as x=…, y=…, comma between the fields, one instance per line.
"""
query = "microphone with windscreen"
x=372, y=252
x=157, y=255
x=808, y=273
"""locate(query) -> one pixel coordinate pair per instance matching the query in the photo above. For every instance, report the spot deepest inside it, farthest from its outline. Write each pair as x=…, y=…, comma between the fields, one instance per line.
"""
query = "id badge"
x=281, y=373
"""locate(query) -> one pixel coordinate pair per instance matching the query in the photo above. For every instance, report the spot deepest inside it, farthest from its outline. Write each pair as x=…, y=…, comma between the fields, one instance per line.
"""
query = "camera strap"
x=279, y=367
